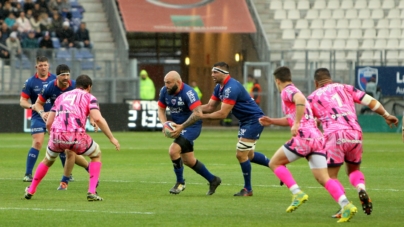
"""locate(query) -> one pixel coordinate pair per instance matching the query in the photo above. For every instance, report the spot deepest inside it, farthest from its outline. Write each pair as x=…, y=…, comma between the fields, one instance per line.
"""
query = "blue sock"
x=65, y=179
x=201, y=169
x=178, y=169
x=31, y=160
x=62, y=157
x=246, y=169
x=260, y=159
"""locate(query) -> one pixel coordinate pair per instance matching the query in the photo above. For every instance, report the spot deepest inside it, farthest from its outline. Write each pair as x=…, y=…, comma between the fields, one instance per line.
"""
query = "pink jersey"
x=308, y=127
x=72, y=109
x=334, y=105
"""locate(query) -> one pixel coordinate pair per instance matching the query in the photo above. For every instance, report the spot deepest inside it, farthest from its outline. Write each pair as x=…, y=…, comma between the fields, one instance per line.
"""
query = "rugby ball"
x=168, y=128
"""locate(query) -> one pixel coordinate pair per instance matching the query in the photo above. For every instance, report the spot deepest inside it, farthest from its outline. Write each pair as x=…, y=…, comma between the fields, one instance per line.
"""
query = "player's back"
x=334, y=105
x=72, y=109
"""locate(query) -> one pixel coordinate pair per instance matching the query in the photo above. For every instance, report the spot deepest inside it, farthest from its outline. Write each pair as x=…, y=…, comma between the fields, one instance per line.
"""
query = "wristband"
x=30, y=107
x=386, y=114
x=40, y=112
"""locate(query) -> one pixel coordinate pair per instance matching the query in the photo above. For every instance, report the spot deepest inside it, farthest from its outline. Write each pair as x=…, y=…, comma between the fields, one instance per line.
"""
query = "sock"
x=340, y=185
x=285, y=176
x=335, y=191
x=62, y=157
x=31, y=160
x=178, y=170
x=65, y=179
x=201, y=169
x=260, y=159
x=39, y=175
x=357, y=179
x=246, y=169
x=95, y=169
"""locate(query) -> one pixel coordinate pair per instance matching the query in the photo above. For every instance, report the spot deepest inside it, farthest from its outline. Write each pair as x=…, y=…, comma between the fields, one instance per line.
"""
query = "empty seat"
x=305, y=34
x=317, y=34
x=352, y=44
x=377, y=14
x=392, y=55
x=324, y=55
x=55, y=42
x=342, y=23
x=388, y=4
x=370, y=33
x=312, y=14
x=343, y=34
x=329, y=23
x=325, y=14
x=294, y=14
x=360, y=4
x=326, y=44
x=401, y=4
x=374, y=4
x=355, y=34
x=298, y=55
x=392, y=44
x=286, y=24
x=383, y=34
x=317, y=23
x=63, y=53
x=395, y=23
x=382, y=23
x=368, y=44
x=355, y=23
x=339, y=44
x=351, y=14
x=313, y=44
x=302, y=23
x=401, y=45
x=338, y=14
x=330, y=34
x=394, y=34
x=289, y=4
x=378, y=55
x=83, y=53
x=319, y=4
x=402, y=14
x=380, y=44
x=340, y=55
x=364, y=14
x=393, y=13
x=275, y=4
x=367, y=55
x=313, y=55
x=351, y=55
x=368, y=23
x=333, y=4
x=288, y=34
x=280, y=14
x=346, y=4
x=303, y=5
x=299, y=44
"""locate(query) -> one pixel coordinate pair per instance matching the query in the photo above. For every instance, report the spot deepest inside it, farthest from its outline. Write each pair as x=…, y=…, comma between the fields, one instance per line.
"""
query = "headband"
x=215, y=69
x=64, y=73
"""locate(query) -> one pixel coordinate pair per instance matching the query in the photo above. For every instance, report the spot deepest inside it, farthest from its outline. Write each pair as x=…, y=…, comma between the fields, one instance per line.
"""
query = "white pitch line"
x=66, y=210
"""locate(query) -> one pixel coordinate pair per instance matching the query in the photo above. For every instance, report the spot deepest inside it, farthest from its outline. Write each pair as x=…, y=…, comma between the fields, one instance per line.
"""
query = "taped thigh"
x=245, y=146
x=93, y=151
x=50, y=155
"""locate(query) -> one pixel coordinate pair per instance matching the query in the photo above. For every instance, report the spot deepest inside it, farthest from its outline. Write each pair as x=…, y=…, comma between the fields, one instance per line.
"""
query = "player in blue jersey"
x=29, y=94
x=183, y=101
x=236, y=99
x=48, y=96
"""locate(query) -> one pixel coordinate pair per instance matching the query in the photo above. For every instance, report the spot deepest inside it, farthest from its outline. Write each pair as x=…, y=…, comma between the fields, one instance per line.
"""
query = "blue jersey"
x=233, y=93
x=181, y=104
x=50, y=92
x=32, y=88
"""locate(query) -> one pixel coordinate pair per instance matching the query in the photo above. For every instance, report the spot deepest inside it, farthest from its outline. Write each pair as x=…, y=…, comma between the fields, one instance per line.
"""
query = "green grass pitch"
x=135, y=181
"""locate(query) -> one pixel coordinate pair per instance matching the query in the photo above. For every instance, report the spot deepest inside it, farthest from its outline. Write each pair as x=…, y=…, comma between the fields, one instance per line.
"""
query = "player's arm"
x=51, y=118
x=162, y=114
x=210, y=106
x=267, y=121
x=195, y=116
x=220, y=114
x=300, y=104
x=103, y=125
x=25, y=103
x=378, y=108
x=39, y=107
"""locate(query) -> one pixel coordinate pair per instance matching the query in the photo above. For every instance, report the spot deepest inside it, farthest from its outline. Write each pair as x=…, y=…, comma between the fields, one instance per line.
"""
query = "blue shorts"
x=250, y=129
x=192, y=133
x=37, y=126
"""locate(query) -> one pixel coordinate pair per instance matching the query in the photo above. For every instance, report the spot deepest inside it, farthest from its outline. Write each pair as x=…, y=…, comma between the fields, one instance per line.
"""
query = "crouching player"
x=66, y=124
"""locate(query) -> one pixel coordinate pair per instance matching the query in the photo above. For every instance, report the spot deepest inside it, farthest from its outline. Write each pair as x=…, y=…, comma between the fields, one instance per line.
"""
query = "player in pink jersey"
x=306, y=141
x=333, y=105
x=66, y=124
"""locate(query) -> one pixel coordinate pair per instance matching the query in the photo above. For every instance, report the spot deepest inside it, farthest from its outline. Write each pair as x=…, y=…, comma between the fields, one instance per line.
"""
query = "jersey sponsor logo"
x=341, y=115
x=176, y=110
x=227, y=92
x=37, y=89
x=180, y=102
x=191, y=96
x=340, y=141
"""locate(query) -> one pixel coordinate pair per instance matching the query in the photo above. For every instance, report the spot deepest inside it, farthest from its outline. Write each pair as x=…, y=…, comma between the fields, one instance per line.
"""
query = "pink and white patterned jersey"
x=334, y=105
x=308, y=127
x=72, y=109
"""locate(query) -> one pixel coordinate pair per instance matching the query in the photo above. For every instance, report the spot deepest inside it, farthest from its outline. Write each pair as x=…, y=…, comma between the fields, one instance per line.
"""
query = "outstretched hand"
x=391, y=121
x=116, y=143
x=265, y=121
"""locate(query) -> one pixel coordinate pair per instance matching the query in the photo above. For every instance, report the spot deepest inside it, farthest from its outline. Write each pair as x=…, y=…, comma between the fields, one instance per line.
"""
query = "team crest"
x=364, y=75
x=173, y=101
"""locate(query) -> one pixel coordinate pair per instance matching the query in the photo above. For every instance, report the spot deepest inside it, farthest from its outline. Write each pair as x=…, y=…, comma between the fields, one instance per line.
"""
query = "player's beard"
x=172, y=90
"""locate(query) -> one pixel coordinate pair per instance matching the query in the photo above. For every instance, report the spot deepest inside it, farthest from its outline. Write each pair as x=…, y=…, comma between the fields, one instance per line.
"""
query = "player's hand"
x=295, y=129
x=177, y=131
x=94, y=125
x=44, y=116
x=391, y=121
x=115, y=142
x=265, y=121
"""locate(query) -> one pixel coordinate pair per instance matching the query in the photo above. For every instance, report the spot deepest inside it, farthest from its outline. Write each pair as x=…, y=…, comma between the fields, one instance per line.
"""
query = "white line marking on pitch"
x=65, y=210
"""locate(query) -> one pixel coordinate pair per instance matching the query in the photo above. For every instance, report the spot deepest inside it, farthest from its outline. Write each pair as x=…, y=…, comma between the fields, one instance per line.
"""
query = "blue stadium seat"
x=63, y=54
x=23, y=63
x=56, y=42
x=84, y=53
x=76, y=13
x=89, y=64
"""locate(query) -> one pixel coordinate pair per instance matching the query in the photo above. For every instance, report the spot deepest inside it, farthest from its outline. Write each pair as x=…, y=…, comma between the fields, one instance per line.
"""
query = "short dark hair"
x=62, y=69
x=322, y=74
x=283, y=74
x=222, y=65
x=83, y=81
x=41, y=59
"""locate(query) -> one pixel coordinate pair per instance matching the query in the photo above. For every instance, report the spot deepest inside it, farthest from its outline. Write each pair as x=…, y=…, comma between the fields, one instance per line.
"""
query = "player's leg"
x=71, y=159
x=244, y=147
x=37, y=141
x=94, y=153
x=175, y=155
x=254, y=130
x=318, y=166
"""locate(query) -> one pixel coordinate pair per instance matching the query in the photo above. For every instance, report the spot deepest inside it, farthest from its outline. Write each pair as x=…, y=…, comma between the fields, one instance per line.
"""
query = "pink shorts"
x=306, y=146
x=79, y=142
x=344, y=146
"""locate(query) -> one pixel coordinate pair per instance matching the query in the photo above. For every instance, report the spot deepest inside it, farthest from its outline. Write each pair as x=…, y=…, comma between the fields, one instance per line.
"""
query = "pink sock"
x=356, y=177
x=285, y=176
x=94, y=170
x=340, y=185
x=334, y=189
x=38, y=176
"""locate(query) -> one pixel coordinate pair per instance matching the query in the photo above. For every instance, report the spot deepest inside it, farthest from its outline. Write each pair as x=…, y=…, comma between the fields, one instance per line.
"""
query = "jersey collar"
x=181, y=87
x=226, y=80
x=36, y=76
